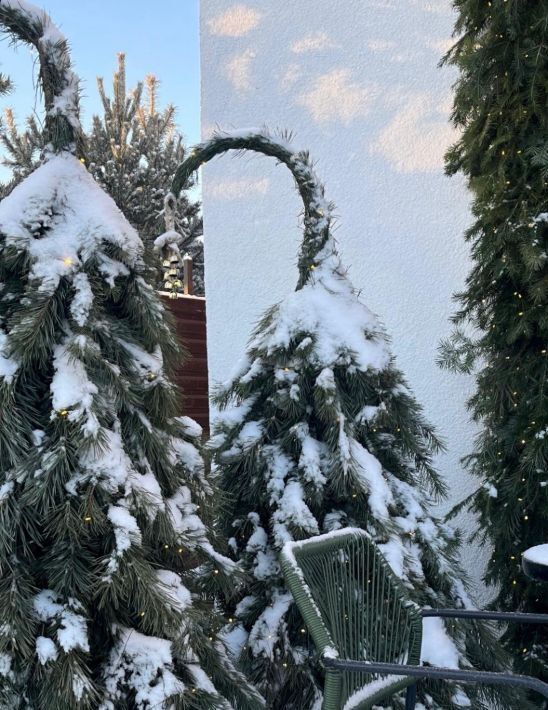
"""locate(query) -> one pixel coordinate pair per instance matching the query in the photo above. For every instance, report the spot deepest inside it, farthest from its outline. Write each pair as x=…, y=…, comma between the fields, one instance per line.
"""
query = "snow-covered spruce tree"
x=106, y=567
x=500, y=106
x=320, y=431
x=133, y=152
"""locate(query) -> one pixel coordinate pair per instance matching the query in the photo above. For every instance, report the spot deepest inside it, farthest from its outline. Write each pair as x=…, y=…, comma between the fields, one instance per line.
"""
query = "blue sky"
x=159, y=38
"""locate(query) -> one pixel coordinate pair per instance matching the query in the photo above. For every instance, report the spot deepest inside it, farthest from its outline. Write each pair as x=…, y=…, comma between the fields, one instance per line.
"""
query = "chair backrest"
x=353, y=605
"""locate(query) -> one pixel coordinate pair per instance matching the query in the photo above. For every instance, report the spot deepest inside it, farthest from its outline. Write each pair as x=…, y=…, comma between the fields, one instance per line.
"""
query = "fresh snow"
x=143, y=664
x=72, y=631
x=83, y=299
x=126, y=529
x=8, y=366
x=46, y=650
x=62, y=197
x=292, y=511
x=342, y=329
x=369, y=470
x=173, y=587
x=438, y=649
x=264, y=634
x=363, y=694
x=538, y=554
x=71, y=389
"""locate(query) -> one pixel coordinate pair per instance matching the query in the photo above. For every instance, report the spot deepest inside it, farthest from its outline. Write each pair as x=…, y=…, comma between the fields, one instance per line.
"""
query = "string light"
x=63, y=413
x=87, y=519
x=151, y=376
x=67, y=261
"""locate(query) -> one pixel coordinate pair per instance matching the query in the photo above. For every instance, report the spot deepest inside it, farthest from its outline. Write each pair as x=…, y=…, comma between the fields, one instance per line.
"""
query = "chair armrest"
x=507, y=616
x=461, y=676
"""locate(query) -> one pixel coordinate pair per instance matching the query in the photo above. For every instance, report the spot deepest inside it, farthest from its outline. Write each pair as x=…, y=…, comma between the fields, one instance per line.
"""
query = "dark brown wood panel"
x=192, y=376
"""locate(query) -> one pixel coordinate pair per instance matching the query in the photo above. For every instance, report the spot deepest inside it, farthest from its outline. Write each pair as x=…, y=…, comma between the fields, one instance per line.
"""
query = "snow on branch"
x=28, y=23
x=317, y=245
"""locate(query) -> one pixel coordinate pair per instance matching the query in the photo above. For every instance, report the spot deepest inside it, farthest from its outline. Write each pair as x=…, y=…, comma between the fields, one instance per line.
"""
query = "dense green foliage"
x=501, y=106
x=107, y=572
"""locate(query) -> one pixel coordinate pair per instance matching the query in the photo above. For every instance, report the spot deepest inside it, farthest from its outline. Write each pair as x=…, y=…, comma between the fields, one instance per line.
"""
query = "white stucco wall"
x=357, y=82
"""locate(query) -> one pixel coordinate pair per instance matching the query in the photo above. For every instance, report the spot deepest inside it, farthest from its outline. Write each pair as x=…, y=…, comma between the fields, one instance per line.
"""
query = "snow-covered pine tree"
x=319, y=430
x=106, y=567
x=133, y=152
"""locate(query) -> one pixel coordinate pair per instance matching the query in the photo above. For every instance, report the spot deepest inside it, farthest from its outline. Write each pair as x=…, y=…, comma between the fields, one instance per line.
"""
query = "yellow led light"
x=87, y=518
x=68, y=261
x=180, y=550
x=63, y=413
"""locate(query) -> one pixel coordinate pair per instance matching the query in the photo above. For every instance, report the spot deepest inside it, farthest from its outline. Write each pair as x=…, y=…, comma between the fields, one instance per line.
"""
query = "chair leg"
x=411, y=697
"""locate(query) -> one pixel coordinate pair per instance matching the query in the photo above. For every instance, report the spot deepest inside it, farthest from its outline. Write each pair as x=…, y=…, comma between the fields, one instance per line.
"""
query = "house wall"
x=358, y=83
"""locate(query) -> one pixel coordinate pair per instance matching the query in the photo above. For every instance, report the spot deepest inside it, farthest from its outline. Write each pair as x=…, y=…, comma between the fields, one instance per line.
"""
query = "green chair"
x=366, y=629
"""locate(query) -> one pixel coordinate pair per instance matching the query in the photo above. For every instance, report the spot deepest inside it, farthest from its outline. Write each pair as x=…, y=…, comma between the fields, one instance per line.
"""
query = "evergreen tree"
x=107, y=572
x=22, y=149
x=318, y=430
x=500, y=106
x=133, y=153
